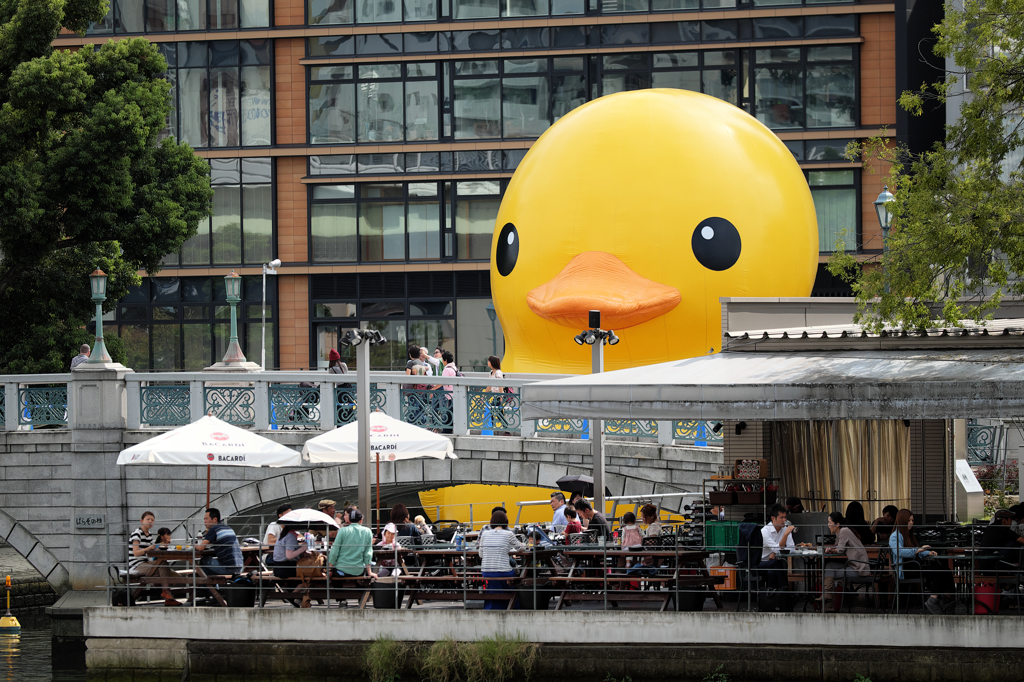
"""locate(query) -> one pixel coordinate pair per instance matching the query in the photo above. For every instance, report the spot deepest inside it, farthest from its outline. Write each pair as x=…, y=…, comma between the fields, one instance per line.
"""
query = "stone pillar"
x=98, y=415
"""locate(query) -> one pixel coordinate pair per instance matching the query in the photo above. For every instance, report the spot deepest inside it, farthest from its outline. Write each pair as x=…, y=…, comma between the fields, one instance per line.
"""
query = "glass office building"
x=367, y=144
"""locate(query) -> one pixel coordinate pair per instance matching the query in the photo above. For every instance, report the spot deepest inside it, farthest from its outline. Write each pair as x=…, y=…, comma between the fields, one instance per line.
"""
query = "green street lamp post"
x=98, y=282
x=884, y=215
x=885, y=220
x=233, y=288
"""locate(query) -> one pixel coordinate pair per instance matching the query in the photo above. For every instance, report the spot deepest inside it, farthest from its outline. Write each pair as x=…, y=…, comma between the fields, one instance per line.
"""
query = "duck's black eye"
x=716, y=244
x=508, y=249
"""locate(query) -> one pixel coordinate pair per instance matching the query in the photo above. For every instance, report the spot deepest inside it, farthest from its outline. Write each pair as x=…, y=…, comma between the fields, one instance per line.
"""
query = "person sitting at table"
x=1002, y=543
x=572, y=521
x=595, y=519
x=903, y=546
x=487, y=526
x=1018, y=515
x=227, y=557
x=352, y=551
x=558, y=507
x=856, y=522
x=794, y=506
x=775, y=537
x=405, y=528
x=573, y=499
x=629, y=533
x=389, y=540
x=649, y=514
x=422, y=527
x=883, y=525
x=140, y=559
x=287, y=550
x=495, y=546
x=274, y=530
x=856, y=563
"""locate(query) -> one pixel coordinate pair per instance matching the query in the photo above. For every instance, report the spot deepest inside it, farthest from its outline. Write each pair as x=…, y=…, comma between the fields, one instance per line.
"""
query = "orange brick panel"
x=292, y=230
x=878, y=70
x=289, y=12
x=289, y=91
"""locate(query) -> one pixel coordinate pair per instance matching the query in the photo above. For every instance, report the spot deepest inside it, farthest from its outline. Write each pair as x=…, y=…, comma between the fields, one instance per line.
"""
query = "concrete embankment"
x=252, y=645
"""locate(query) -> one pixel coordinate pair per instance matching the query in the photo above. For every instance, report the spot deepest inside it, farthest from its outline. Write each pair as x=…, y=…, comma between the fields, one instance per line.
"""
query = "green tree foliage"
x=84, y=180
x=956, y=246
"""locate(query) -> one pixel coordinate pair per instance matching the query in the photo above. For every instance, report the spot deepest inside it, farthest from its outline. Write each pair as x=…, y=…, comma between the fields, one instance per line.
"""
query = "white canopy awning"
x=811, y=385
x=390, y=438
x=209, y=440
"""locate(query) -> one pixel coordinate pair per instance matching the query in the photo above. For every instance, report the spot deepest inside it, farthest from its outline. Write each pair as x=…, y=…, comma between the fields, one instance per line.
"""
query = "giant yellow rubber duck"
x=648, y=206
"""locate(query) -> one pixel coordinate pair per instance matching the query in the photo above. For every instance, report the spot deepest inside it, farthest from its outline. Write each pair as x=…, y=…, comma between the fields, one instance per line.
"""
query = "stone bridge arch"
x=429, y=473
x=28, y=546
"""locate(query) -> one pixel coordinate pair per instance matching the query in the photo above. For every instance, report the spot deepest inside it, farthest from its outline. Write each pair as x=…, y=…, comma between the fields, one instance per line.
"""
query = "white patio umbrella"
x=210, y=441
x=390, y=440
x=308, y=516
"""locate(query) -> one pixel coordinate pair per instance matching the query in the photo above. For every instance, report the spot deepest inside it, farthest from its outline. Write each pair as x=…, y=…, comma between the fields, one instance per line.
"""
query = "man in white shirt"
x=558, y=521
x=274, y=529
x=776, y=536
x=433, y=363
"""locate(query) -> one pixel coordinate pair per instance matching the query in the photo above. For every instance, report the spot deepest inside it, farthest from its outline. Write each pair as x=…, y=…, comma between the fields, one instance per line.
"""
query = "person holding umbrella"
x=287, y=550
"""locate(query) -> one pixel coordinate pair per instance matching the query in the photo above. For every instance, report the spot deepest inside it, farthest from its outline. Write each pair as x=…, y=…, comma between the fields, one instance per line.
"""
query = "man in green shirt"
x=352, y=550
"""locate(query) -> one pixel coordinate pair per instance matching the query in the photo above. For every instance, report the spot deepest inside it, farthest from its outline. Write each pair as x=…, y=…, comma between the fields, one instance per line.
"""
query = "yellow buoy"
x=9, y=625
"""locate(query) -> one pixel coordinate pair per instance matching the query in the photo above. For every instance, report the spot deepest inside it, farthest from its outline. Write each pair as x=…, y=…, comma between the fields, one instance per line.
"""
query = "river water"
x=30, y=657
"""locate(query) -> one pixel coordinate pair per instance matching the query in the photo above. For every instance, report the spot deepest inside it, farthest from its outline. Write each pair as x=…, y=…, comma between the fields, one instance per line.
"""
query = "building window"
x=184, y=323
x=429, y=309
x=810, y=87
x=835, y=201
x=221, y=91
x=168, y=16
x=410, y=221
x=491, y=99
x=242, y=226
x=327, y=12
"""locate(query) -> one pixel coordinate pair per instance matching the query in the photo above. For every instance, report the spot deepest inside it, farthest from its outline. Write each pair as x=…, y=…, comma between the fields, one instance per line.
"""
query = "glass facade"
x=484, y=99
x=403, y=221
x=221, y=92
x=169, y=16
x=333, y=12
x=184, y=323
x=430, y=309
x=835, y=201
x=241, y=230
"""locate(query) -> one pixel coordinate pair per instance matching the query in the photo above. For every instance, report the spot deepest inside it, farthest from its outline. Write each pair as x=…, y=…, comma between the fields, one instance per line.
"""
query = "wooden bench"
x=292, y=589
x=597, y=593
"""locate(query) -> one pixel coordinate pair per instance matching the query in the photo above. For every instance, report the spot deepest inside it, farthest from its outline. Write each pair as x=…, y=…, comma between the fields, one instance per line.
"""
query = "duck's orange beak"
x=596, y=280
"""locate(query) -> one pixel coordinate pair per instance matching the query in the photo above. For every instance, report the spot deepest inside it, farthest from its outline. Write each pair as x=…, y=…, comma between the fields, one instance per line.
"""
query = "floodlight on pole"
x=268, y=269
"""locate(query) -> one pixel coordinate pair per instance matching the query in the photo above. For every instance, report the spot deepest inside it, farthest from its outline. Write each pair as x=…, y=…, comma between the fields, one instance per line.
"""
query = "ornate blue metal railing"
x=568, y=427
x=635, y=428
x=43, y=405
x=427, y=408
x=294, y=405
x=345, y=402
x=165, y=405
x=3, y=407
x=233, y=404
x=491, y=412
x=700, y=433
x=982, y=444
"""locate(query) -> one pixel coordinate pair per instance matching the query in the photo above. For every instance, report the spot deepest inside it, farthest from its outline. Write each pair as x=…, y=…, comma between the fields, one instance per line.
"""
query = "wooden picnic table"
x=196, y=576
x=449, y=574
x=686, y=568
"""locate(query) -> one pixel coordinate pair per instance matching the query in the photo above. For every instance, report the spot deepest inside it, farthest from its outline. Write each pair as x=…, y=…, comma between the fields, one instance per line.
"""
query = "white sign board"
x=970, y=497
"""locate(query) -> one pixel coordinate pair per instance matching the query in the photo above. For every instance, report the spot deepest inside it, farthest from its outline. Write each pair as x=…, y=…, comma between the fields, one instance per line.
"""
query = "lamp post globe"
x=884, y=214
x=233, y=291
x=98, y=286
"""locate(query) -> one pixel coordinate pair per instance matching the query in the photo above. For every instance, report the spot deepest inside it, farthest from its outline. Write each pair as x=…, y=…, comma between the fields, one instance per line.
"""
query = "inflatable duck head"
x=647, y=206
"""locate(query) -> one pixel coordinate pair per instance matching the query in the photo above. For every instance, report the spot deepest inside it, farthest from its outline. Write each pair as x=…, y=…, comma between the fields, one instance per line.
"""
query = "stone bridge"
x=66, y=506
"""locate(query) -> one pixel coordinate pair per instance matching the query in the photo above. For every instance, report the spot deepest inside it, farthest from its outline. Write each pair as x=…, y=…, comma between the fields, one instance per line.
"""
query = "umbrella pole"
x=377, y=517
x=207, y=486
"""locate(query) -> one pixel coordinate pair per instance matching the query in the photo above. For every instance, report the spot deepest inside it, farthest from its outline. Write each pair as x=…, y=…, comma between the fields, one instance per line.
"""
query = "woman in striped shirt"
x=494, y=546
x=140, y=561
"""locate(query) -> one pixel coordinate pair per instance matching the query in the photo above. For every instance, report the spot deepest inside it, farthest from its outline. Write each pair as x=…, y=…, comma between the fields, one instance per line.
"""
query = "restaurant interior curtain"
x=832, y=463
